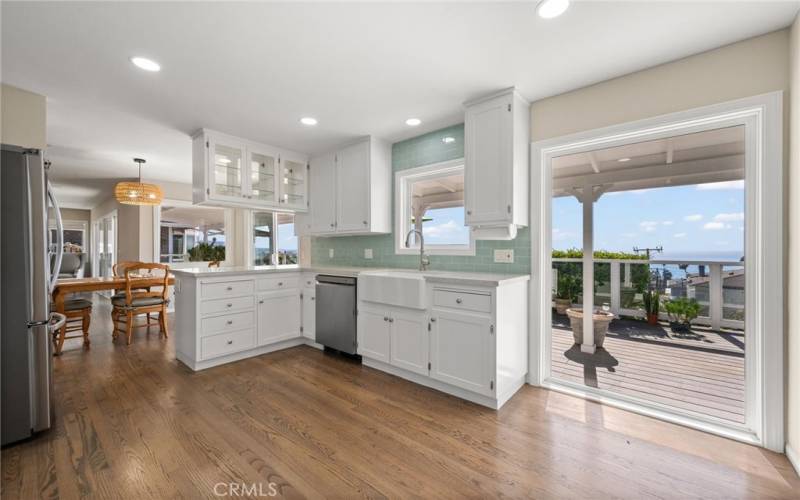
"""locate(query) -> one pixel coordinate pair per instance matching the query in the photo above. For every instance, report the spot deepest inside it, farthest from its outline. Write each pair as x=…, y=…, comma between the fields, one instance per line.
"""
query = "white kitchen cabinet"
x=350, y=190
x=309, y=306
x=462, y=350
x=496, y=143
x=230, y=171
x=409, y=340
x=373, y=333
x=279, y=316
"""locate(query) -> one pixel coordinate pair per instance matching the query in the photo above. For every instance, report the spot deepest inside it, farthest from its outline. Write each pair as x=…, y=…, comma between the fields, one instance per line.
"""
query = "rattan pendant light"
x=138, y=193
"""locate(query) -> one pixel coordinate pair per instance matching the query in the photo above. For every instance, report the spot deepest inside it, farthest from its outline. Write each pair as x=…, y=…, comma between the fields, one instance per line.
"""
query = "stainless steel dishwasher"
x=336, y=312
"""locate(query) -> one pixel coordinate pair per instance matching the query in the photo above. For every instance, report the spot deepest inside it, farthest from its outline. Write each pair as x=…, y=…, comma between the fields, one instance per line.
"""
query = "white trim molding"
x=762, y=117
x=794, y=458
x=402, y=182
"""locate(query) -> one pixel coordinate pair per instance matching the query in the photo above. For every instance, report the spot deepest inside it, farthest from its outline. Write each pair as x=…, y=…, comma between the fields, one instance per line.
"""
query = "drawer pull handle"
x=230, y=342
x=260, y=301
x=229, y=305
x=458, y=301
x=229, y=288
x=433, y=320
x=391, y=320
x=230, y=321
x=313, y=298
x=385, y=318
x=280, y=283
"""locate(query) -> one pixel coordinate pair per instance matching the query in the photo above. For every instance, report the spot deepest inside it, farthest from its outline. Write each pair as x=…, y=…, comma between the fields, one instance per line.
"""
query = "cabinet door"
x=309, y=313
x=462, y=350
x=323, y=194
x=293, y=183
x=263, y=171
x=488, y=160
x=373, y=334
x=409, y=336
x=278, y=316
x=352, y=188
x=226, y=169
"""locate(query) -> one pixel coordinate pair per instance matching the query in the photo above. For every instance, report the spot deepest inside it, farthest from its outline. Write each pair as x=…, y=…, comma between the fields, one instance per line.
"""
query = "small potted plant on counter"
x=567, y=290
x=601, y=320
x=681, y=312
x=652, y=305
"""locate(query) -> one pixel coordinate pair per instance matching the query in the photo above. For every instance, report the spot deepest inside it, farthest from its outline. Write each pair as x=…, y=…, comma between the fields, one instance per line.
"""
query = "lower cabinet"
x=279, y=316
x=409, y=340
x=373, y=333
x=462, y=350
x=309, y=307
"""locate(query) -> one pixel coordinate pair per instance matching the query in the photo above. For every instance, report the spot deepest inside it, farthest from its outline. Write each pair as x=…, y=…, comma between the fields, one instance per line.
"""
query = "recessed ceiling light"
x=413, y=122
x=146, y=64
x=623, y=160
x=307, y=120
x=548, y=9
x=448, y=139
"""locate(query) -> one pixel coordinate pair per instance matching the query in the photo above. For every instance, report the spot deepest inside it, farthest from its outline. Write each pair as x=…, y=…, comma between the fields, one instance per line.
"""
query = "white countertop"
x=434, y=276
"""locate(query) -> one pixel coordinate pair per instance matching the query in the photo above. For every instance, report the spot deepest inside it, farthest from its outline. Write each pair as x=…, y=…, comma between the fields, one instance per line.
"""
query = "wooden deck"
x=702, y=372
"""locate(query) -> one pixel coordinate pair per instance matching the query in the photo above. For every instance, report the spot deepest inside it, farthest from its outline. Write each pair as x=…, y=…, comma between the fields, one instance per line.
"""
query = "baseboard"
x=793, y=457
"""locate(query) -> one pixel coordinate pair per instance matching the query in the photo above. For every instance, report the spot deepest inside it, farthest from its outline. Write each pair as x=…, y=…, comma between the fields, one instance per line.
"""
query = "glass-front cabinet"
x=294, y=182
x=263, y=175
x=227, y=165
x=229, y=171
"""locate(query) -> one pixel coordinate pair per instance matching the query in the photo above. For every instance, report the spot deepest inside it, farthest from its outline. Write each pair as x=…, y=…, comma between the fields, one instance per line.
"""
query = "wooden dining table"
x=69, y=286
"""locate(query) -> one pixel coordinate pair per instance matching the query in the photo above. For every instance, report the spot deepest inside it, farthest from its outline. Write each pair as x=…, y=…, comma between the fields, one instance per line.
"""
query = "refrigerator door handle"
x=56, y=322
x=59, y=238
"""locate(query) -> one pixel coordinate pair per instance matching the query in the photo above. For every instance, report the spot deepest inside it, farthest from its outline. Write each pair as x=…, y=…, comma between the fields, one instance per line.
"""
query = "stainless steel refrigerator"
x=26, y=280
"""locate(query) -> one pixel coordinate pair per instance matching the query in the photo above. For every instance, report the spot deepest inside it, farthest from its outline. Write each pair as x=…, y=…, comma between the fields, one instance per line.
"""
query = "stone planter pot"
x=562, y=305
x=601, y=321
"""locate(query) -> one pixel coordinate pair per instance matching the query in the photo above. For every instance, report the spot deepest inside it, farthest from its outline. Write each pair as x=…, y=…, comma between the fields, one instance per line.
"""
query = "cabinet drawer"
x=468, y=301
x=283, y=283
x=226, y=343
x=228, y=322
x=222, y=305
x=224, y=289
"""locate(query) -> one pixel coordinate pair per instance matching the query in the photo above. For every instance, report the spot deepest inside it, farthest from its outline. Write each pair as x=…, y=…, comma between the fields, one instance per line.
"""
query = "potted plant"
x=601, y=320
x=567, y=290
x=207, y=252
x=652, y=304
x=681, y=312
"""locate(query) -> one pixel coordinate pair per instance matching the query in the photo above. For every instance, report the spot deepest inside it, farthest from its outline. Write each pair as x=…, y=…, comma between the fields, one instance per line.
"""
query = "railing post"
x=627, y=274
x=715, y=296
x=615, y=287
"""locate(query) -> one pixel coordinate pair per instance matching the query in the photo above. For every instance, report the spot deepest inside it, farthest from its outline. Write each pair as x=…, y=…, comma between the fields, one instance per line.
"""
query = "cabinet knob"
x=260, y=301
x=458, y=301
x=333, y=225
x=391, y=320
x=229, y=305
x=365, y=222
x=433, y=320
x=230, y=288
x=230, y=321
x=230, y=342
x=313, y=298
x=385, y=318
x=280, y=283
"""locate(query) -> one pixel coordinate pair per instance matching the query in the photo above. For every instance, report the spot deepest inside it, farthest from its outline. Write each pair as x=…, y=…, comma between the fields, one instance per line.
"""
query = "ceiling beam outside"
x=670, y=151
x=593, y=161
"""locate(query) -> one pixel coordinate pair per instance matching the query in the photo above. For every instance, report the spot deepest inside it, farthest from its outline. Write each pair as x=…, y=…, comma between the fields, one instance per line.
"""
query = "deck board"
x=702, y=374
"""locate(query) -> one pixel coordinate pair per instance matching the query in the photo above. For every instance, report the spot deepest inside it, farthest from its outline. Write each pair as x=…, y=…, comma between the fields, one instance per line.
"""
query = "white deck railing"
x=718, y=286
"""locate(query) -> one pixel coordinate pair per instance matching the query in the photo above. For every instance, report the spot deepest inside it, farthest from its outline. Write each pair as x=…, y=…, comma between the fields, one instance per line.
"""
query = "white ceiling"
x=253, y=69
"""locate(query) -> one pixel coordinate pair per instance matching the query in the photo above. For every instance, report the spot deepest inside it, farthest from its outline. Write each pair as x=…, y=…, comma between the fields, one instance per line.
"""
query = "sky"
x=702, y=219
x=446, y=227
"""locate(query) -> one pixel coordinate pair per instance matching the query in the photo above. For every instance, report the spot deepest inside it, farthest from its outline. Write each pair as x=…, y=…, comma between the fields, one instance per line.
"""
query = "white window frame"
x=402, y=199
x=249, y=251
x=762, y=116
x=230, y=236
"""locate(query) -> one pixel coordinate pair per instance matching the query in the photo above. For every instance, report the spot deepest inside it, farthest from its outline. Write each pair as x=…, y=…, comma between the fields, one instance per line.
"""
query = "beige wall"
x=743, y=69
x=127, y=228
x=750, y=67
x=793, y=344
x=24, y=118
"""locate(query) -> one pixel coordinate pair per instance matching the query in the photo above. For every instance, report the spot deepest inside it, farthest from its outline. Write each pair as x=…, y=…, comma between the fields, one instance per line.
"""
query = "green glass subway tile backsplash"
x=415, y=152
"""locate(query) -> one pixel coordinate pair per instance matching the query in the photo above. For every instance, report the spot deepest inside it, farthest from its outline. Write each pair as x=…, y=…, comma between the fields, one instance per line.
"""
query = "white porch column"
x=615, y=287
x=587, y=199
x=715, y=295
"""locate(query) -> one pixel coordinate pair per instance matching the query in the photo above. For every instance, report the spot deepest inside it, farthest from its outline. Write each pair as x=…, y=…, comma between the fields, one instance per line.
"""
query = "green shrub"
x=682, y=310
x=207, y=252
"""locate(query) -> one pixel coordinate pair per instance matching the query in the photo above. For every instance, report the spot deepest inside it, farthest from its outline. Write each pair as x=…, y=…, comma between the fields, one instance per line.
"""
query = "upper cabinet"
x=496, y=139
x=350, y=191
x=230, y=171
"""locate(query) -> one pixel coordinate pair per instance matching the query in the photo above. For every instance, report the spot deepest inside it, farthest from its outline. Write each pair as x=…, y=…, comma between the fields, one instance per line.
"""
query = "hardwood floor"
x=132, y=422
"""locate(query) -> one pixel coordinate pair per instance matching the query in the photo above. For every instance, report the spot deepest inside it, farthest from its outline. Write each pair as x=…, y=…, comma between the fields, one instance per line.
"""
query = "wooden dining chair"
x=79, y=315
x=118, y=270
x=138, y=300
